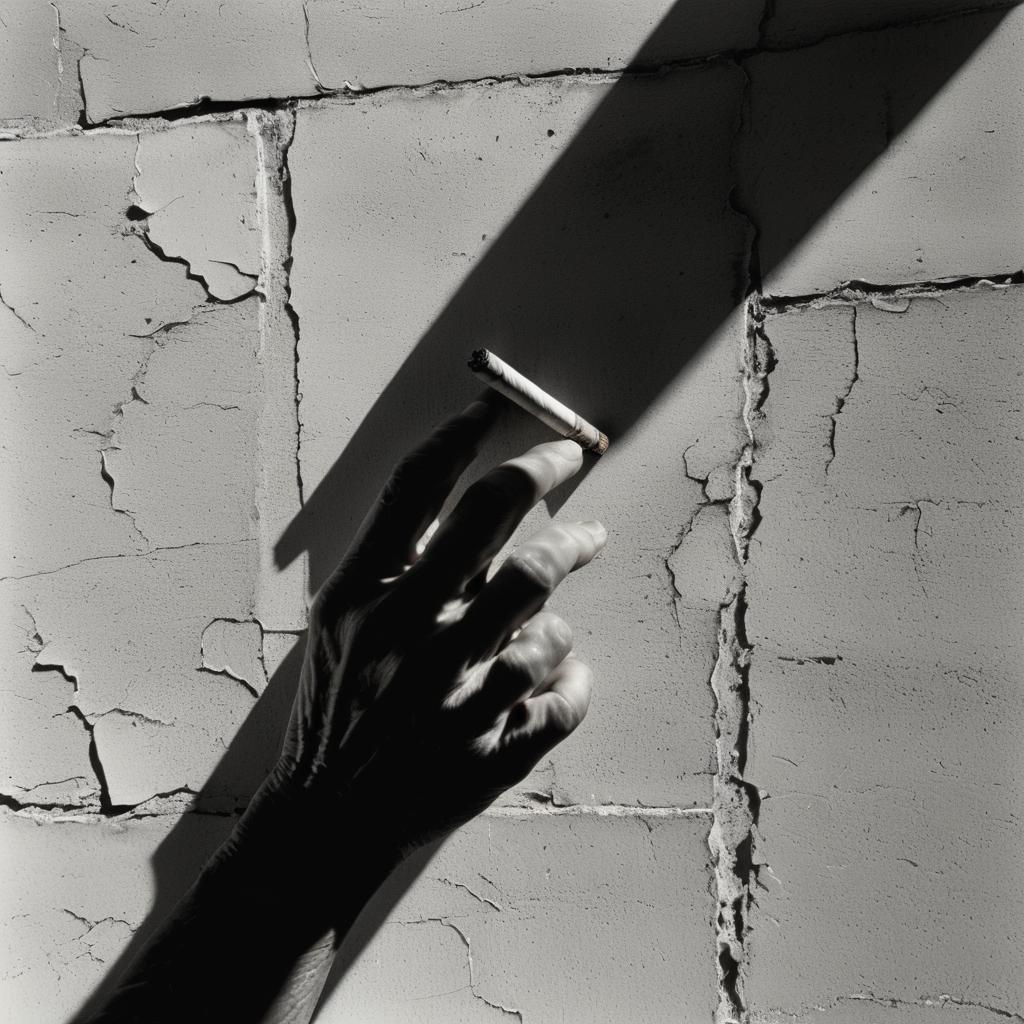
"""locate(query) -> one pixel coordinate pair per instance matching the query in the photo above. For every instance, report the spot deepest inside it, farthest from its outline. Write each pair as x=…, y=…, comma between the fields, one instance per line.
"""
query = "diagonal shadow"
x=609, y=279
x=603, y=286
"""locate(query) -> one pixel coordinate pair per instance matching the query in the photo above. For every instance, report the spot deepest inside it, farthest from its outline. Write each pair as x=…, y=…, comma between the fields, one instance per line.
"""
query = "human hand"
x=428, y=690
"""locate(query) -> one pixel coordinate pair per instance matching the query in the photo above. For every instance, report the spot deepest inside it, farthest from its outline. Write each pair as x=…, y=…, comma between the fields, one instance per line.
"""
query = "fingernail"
x=596, y=529
x=569, y=450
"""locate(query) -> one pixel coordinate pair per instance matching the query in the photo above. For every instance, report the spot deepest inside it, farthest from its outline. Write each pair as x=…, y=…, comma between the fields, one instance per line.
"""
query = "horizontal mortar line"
x=855, y=290
x=226, y=109
x=90, y=815
x=596, y=810
x=222, y=110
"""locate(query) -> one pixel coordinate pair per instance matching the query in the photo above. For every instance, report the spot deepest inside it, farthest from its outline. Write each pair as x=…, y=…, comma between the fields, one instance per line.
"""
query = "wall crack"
x=737, y=801
x=842, y=399
x=446, y=923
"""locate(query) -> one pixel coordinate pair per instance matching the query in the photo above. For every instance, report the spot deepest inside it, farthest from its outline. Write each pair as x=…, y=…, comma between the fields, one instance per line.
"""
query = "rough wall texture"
x=775, y=251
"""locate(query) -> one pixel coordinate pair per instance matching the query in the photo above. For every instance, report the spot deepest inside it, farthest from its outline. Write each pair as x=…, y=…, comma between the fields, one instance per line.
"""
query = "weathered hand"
x=428, y=689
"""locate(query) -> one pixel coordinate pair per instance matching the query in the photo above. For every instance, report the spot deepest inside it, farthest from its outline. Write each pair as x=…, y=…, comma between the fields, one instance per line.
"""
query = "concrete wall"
x=775, y=251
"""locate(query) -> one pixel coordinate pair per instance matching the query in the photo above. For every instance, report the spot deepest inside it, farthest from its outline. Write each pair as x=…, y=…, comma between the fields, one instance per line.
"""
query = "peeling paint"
x=208, y=222
x=235, y=649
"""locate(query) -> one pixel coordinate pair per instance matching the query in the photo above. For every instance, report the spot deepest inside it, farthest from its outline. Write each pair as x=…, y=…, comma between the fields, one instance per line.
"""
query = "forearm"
x=301, y=990
x=252, y=941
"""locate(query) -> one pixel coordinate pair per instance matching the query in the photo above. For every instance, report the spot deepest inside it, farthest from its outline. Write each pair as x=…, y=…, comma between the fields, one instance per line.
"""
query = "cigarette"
x=521, y=390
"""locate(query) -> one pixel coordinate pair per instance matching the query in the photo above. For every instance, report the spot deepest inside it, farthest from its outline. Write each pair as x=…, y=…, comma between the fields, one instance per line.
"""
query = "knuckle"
x=522, y=658
x=559, y=630
x=531, y=564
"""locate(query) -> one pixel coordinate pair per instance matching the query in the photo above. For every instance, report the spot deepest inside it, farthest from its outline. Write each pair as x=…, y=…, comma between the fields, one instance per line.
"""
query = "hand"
x=427, y=690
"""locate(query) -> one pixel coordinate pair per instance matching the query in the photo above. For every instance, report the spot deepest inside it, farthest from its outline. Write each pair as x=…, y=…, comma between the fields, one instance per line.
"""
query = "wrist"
x=304, y=856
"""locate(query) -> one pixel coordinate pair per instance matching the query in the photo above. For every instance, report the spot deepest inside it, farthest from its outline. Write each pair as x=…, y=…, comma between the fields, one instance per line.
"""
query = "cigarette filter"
x=527, y=395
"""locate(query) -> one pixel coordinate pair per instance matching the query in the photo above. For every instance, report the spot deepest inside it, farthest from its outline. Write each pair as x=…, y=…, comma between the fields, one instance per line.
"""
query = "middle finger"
x=486, y=516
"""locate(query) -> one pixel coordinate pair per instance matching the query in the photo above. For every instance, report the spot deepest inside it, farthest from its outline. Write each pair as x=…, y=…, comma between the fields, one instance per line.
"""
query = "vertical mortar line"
x=736, y=802
x=279, y=604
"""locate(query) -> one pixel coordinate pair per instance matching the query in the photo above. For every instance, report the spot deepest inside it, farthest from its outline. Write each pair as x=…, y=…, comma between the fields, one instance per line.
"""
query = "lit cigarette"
x=521, y=390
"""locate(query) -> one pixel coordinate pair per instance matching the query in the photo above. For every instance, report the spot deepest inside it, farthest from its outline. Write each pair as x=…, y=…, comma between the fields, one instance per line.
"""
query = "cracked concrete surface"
x=793, y=799
x=567, y=881
x=883, y=817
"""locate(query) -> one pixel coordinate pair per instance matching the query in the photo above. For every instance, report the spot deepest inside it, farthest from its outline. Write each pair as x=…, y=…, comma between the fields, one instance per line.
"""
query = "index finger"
x=417, y=488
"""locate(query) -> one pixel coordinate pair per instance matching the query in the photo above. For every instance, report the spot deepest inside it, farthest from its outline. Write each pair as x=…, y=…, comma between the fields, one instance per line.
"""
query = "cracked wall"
x=237, y=242
x=887, y=690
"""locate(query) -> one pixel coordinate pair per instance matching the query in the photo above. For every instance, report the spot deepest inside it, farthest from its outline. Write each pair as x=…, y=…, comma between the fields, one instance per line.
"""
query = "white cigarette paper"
x=521, y=390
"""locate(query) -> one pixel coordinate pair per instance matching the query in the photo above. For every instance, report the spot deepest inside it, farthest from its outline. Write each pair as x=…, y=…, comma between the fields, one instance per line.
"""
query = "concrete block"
x=895, y=164
x=367, y=45
x=884, y=611
x=889, y=447
x=140, y=489
x=571, y=226
x=545, y=917
x=29, y=64
x=138, y=59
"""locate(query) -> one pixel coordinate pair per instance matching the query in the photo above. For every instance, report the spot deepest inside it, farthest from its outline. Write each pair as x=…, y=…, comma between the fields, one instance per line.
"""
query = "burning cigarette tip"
x=527, y=395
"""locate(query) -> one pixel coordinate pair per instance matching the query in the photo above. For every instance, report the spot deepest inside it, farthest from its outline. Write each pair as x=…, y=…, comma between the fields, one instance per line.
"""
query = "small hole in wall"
x=551, y=131
x=136, y=213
